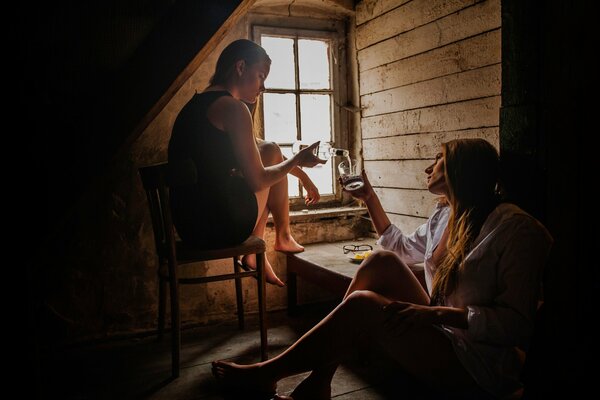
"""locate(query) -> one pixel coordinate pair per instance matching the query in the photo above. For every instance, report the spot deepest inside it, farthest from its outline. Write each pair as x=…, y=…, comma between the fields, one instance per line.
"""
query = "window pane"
x=314, y=64
x=322, y=176
x=293, y=189
x=280, y=117
x=315, y=113
x=281, y=52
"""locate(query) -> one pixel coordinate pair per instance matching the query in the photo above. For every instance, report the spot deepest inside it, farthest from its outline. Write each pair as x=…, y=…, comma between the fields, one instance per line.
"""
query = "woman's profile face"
x=252, y=81
x=436, y=180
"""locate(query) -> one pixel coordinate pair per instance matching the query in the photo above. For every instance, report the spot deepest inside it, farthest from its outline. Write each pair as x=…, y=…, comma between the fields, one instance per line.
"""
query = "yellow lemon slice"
x=361, y=256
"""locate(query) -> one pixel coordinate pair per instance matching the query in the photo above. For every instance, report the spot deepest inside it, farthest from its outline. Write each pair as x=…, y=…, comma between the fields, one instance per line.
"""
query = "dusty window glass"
x=313, y=58
x=281, y=52
x=298, y=101
x=280, y=120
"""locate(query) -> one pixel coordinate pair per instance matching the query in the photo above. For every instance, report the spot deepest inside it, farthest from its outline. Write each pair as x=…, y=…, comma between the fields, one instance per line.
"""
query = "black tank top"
x=219, y=209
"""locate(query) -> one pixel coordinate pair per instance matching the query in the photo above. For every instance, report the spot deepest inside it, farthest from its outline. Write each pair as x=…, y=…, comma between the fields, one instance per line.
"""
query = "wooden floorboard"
x=140, y=368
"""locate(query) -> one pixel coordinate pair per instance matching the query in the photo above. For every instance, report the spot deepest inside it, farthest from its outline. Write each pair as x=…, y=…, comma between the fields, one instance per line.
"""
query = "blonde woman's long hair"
x=471, y=168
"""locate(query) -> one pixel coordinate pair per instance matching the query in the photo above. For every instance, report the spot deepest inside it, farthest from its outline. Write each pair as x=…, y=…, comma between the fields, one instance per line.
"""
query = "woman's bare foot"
x=286, y=243
x=243, y=377
x=270, y=276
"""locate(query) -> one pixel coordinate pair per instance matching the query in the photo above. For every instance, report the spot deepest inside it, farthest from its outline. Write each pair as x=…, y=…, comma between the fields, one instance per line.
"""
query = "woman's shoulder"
x=211, y=96
x=512, y=216
x=205, y=100
x=213, y=93
x=229, y=114
x=508, y=211
x=222, y=99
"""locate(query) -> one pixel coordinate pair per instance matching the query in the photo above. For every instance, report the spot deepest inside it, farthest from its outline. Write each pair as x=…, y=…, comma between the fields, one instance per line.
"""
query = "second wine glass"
x=323, y=151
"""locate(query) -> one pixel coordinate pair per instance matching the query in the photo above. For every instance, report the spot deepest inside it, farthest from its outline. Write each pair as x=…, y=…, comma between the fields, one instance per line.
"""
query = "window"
x=301, y=98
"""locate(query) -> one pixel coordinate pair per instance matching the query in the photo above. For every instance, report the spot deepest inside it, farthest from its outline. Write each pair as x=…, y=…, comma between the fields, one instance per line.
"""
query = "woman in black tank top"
x=237, y=180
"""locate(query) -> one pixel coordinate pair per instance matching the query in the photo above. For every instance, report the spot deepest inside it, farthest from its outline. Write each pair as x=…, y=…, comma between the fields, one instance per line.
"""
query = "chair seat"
x=189, y=254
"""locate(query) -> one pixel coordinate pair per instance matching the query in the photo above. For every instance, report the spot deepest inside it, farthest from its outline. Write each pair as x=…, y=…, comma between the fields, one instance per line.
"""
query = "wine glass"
x=323, y=151
x=351, y=179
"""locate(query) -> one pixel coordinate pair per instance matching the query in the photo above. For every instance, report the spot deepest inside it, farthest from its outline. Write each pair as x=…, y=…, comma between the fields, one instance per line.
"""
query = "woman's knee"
x=379, y=259
x=362, y=299
x=270, y=153
x=365, y=306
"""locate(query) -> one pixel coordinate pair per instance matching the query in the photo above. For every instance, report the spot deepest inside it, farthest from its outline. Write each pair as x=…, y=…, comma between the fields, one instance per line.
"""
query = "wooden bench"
x=322, y=264
x=326, y=265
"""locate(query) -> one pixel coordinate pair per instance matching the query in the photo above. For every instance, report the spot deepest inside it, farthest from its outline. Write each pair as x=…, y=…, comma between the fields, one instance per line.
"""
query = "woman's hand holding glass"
x=364, y=192
x=307, y=156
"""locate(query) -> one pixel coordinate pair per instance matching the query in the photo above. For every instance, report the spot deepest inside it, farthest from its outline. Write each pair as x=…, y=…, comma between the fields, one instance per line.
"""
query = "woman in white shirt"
x=483, y=261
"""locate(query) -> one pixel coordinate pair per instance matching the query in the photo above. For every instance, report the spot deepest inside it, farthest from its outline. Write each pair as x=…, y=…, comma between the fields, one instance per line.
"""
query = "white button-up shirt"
x=498, y=285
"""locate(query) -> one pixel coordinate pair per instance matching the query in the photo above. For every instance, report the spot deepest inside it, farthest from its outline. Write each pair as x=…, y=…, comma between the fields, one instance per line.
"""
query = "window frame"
x=338, y=92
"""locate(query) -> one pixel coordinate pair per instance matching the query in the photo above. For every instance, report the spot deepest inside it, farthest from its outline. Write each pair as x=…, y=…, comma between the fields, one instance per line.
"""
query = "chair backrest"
x=157, y=179
x=154, y=179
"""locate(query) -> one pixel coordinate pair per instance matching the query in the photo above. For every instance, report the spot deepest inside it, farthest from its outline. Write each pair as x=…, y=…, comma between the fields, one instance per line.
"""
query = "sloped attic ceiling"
x=91, y=71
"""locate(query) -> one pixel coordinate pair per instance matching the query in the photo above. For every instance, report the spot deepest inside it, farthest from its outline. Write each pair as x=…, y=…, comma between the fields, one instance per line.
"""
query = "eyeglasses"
x=356, y=247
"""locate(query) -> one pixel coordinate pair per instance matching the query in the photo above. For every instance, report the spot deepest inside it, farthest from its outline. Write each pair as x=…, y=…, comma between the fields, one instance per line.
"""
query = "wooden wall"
x=430, y=71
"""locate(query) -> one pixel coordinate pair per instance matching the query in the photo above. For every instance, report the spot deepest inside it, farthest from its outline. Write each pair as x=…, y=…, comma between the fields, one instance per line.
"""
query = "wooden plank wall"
x=429, y=72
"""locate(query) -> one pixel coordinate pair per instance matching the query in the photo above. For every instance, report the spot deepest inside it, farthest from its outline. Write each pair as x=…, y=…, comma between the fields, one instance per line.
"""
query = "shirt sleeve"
x=509, y=319
x=410, y=248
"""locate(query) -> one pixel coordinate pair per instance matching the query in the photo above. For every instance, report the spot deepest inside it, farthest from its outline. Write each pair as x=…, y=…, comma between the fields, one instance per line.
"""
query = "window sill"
x=324, y=213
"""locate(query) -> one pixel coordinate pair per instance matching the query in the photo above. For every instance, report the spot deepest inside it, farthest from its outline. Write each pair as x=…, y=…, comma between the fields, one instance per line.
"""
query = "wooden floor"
x=139, y=368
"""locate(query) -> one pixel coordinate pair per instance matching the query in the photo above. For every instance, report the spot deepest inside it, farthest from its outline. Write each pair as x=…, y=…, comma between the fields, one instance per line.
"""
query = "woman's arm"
x=411, y=248
x=451, y=316
x=376, y=211
x=236, y=120
x=312, y=192
x=402, y=316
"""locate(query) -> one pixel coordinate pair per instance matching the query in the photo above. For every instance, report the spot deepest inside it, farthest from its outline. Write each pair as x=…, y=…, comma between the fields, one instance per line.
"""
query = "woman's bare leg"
x=259, y=231
x=276, y=203
x=424, y=352
x=324, y=346
x=383, y=273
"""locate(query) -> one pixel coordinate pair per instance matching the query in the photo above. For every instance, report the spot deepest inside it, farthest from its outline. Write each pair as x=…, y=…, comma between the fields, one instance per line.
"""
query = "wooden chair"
x=172, y=253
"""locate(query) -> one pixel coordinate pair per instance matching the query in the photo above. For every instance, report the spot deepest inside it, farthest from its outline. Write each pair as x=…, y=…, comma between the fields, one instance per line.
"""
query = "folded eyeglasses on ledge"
x=354, y=248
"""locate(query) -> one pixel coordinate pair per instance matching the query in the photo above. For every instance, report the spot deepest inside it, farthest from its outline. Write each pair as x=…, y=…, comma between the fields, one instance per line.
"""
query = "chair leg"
x=238, y=295
x=262, y=305
x=175, y=320
x=162, y=306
